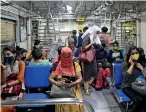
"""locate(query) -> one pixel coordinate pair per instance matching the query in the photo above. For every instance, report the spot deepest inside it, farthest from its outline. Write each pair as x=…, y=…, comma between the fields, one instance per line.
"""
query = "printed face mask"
x=135, y=57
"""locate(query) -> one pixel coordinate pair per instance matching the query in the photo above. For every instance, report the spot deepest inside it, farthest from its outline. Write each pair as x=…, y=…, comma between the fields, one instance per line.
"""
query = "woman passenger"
x=14, y=72
x=66, y=68
x=37, y=58
x=52, y=54
x=37, y=45
x=131, y=70
x=89, y=69
x=103, y=67
x=115, y=55
x=104, y=36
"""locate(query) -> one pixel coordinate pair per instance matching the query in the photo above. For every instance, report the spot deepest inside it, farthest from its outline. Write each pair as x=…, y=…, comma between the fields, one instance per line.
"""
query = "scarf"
x=65, y=66
x=92, y=32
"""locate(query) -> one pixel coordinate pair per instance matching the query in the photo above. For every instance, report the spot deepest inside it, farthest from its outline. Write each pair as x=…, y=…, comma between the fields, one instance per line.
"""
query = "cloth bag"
x=62, y=92
x=139, y=86
x=13, y=90
x=87, y=56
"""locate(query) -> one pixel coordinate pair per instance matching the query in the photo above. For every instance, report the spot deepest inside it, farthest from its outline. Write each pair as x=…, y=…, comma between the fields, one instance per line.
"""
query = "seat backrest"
x=117, y=74
x=37, y=76
x=123, y=52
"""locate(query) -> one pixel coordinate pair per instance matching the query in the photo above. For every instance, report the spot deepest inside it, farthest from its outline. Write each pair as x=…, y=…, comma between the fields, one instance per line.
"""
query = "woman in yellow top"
x=72, y=71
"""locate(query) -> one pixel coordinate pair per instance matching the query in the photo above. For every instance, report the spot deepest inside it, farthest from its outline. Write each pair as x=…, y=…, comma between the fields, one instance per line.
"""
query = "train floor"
x=102, y=101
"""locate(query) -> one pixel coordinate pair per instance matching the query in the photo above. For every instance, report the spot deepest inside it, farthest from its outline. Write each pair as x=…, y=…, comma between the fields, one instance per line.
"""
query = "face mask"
x=8, y=59
x=40, y=47
x=115, y=48
x=101, y=48
x=135, y=57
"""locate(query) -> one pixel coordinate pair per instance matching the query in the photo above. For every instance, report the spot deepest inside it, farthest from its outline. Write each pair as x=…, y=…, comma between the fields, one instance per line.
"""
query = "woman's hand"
x=3, y=67
x=138, y=65
x=3, y=86
x=70, y=84
x=93, y=43
x=131, y=61
x=59, y=83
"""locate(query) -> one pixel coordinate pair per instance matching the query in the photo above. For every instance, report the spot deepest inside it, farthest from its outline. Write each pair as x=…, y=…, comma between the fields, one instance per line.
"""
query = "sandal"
x=87, y=92
x=90, y=89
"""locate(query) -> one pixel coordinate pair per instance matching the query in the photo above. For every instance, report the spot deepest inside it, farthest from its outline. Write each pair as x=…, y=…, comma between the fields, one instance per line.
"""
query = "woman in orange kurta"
x=12, y=67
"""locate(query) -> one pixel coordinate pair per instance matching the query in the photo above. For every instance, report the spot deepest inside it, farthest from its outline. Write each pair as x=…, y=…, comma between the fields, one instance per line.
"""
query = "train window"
x=7, y=30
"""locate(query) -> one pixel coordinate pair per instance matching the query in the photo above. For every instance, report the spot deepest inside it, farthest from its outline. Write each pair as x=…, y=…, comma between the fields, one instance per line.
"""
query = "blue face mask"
x=8, y=59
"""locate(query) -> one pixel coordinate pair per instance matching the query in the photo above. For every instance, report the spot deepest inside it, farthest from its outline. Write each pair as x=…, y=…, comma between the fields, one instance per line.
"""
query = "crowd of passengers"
x=66, y=64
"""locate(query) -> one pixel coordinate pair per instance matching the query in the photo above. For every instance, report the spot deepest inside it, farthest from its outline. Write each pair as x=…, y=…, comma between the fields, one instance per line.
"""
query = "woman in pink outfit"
x=105, y=37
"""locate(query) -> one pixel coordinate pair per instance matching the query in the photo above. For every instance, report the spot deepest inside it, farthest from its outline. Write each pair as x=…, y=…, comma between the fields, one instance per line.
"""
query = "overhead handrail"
x=52, y=101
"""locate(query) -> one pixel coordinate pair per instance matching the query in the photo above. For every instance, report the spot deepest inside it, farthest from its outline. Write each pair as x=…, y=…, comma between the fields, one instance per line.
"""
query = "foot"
x=90, y=89
x=87, y=93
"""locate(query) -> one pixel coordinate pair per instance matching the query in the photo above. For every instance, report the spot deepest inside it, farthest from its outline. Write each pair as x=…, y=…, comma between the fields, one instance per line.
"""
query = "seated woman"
x=142, y=56
x=103, y=67
x=115, y=55
x=23, y=54
x=131, y=70
x=70, y=70
x=37, y=45
x=59, y=52
x=14, y=72
x=37, y=58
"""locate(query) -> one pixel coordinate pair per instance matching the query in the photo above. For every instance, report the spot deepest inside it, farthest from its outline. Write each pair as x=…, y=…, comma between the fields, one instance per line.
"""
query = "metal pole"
x=52, y=101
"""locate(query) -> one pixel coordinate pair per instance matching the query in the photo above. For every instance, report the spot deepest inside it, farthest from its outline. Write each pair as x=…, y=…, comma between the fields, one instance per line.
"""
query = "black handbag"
x=140, y=87
x=62, y=92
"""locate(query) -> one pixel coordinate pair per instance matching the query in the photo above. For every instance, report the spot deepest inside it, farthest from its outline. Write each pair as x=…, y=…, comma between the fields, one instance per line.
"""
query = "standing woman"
x=53, y=53
x=89, y=69
x=15, y=78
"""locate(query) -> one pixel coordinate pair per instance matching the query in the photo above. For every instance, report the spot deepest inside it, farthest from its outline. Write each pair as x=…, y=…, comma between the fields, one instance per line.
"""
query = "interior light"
x=127, y=31
x=5, y=1
x=69, y=8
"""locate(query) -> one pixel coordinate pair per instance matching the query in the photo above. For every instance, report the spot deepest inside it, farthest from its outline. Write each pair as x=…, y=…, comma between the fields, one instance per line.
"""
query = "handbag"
x=140, y=87
x=87, y=56
x=13, y=90
x=62, y=92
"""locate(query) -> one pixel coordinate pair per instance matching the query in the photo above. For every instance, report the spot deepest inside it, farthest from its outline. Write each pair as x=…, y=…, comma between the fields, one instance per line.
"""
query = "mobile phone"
x=68, y=81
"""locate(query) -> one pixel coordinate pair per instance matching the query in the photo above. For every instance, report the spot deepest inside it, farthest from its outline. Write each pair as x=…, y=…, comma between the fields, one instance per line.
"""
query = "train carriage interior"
x=73, y=56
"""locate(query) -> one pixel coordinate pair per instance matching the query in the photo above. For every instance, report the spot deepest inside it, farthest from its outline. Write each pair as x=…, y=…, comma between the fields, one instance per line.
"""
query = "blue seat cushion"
x=34, y=96
x=122, y=95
